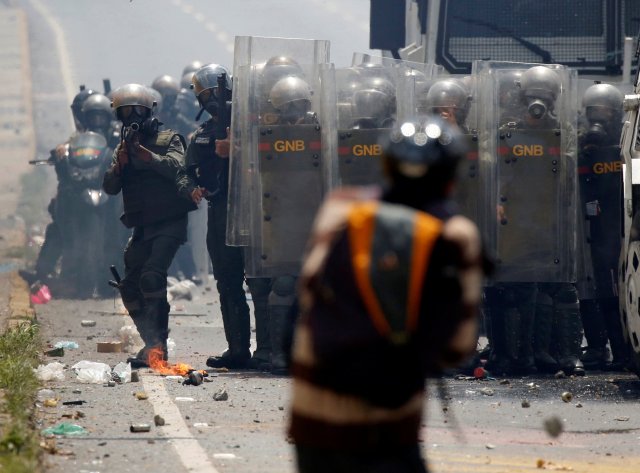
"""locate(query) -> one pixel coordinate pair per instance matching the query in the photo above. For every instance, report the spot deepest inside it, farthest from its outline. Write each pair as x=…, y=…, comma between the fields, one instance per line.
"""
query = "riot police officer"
x=51, y=249
x=208, y=175
x=449, y=99
x=145, y=168
x=98, y=117
x=600, y=185
x=168, y=87
x=555, y=301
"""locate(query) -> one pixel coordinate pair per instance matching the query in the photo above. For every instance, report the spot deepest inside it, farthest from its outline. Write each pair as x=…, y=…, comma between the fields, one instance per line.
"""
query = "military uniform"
x=157, y=214
x=207, y=169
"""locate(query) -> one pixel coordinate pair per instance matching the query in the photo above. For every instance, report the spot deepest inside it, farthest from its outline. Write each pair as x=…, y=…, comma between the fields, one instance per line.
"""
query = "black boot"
x=543, y=329
x=595, y=356
x=235, y=317
x=569, y=340
x=261, y=358
x=152, y=325
x=619, y=349
x=281, y=330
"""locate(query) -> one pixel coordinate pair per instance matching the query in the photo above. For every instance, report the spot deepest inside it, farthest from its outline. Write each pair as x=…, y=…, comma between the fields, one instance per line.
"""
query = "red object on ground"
x=479, y=373
x=41, y=296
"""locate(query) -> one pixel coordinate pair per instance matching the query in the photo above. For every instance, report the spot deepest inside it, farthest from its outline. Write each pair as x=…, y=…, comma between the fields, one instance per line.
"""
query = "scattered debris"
x=578, y=405
x=53, y=402
x=545, y=465
x=158, y=420
x=66, y=429
x=505, y=381
x=74, y=403
x=224, y=456
x=194, y=378
x=109, y=347
x=130, y=338
x=221, y=395
x=553, y=426
x=88, y=323
x=480, y=373
x=184, y=399
x=490, y=446
x=200, y=424
x=525, y=403
x=55, y=352
x=622, y=418
x=567, y=396
x=560, y=375
x=92, y=372
x=141, y=395
x=121, y=373
x=52, y=371
x=486, y=391
x=135, y=376
x=140, y=428
x=68, y=344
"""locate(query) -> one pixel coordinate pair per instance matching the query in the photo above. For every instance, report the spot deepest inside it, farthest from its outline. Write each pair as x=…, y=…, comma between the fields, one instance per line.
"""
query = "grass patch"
x=19, y=442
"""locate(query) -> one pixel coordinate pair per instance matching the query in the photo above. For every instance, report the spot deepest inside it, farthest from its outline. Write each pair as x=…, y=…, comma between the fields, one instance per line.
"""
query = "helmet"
x=205, y=86
x=192, y=67
x=602, y=104
x=277, y=68
x=449, y=94
x=157, y=98
x=206, y=78
x=97, y=112
x=421, y=147
x=166, y=85
x=185, y=81
x=76, y=106
x=132, y=103
x=375, y=100
x=291, y=97
x=540, y=88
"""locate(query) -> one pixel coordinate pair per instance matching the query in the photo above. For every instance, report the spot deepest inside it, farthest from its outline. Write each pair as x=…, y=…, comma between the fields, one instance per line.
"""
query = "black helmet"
x=424, y=147
x=449, y=94
x=603, y=108
x=76, y=106
x=97, y=113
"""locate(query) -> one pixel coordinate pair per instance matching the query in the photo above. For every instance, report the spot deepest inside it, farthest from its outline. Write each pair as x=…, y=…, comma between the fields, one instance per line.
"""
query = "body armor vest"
x=148, y=196
x=212, y=171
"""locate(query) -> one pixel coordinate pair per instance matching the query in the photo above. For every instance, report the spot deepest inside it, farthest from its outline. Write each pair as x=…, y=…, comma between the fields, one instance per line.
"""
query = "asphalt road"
x=486, y=428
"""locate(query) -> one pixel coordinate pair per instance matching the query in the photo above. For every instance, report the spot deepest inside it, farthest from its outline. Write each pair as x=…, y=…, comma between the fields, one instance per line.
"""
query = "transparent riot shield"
x=528, y=129
x=369, y=97
x=278, y=175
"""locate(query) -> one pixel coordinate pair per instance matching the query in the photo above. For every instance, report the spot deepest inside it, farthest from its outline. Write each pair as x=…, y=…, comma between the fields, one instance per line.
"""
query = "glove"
x=123, y=157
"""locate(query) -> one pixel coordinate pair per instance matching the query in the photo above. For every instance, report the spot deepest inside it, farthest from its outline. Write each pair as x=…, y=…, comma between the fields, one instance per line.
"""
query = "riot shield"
x=468, y=192
x=278, y=171
x=369, y=97
x=258, y=64
x=528, y=131
x=600, y=176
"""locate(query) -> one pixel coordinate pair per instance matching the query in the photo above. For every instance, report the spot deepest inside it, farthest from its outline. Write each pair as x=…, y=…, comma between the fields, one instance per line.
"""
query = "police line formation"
x=541, y=179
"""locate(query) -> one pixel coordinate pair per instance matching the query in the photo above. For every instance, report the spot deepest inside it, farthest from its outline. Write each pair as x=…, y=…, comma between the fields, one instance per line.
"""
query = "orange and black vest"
x=390, y=247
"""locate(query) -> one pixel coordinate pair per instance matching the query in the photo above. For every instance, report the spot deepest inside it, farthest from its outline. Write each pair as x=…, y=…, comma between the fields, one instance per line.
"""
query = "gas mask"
x=536, y=107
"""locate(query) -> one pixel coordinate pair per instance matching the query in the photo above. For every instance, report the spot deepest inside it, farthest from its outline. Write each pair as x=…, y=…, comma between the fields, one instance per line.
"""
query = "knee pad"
x=284, y=286
x=153, y=284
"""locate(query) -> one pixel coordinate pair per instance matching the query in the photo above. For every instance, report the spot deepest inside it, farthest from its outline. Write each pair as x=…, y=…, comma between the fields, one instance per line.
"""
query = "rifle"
x=129, y=132
x=223, y=119
x=40, y=162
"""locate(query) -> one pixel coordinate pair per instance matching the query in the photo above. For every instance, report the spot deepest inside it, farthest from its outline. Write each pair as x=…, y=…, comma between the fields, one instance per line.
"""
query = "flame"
x=159, y=365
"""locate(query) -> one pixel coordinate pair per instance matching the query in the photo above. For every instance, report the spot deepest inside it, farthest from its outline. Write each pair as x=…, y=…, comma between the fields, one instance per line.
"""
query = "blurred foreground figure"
x=389, y=294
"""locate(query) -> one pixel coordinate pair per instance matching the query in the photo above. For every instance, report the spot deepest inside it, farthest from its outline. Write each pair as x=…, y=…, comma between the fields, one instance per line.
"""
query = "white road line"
x=63, y=52
x=190, y=452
